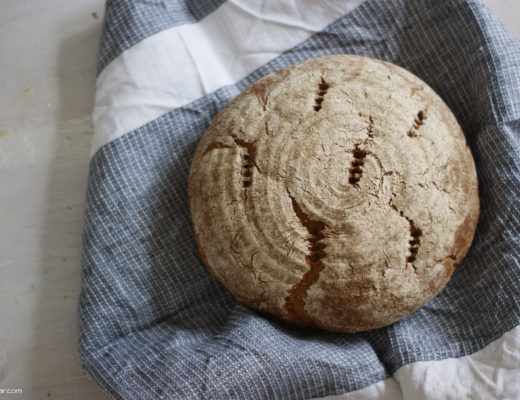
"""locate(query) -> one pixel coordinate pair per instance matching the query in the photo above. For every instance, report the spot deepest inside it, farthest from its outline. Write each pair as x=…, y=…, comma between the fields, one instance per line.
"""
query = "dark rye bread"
x=338, y=193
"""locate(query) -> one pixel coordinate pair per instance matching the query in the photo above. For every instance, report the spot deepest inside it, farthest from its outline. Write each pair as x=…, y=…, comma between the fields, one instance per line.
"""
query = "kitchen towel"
x=153, y=323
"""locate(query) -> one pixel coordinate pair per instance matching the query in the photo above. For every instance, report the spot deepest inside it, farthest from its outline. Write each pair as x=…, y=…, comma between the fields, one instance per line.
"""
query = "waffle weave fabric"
x=153, y=323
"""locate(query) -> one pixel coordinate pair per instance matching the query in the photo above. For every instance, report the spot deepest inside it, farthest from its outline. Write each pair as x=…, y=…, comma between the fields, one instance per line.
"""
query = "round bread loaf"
x=338, y=193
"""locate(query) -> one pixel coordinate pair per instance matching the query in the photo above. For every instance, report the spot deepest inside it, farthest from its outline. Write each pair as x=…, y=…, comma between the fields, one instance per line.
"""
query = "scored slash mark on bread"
x=322, y=91
x=417, y=123
x=248, y=156
x=246, y=171
x=419, y=120
x=355, y=170
x=370, y=127
x=248, y=161
x=414, y=242
x=356, y=166
x=415, y=238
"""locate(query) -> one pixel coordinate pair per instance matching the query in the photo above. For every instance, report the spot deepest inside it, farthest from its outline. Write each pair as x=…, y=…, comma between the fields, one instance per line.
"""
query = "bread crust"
x=338, y=193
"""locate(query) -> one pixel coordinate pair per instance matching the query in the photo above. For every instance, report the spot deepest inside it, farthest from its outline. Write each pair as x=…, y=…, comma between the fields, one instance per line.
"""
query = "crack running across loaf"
x=295, y=301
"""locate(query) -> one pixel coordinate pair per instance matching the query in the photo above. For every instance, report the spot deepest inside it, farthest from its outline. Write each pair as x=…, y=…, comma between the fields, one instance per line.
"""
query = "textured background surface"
x=48, y=68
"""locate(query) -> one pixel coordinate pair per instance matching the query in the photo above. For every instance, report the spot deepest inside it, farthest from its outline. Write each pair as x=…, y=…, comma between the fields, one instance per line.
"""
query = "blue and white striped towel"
x=155, y=324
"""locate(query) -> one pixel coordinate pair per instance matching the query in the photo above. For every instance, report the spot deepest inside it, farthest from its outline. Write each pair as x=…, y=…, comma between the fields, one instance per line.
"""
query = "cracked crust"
x=338, y=193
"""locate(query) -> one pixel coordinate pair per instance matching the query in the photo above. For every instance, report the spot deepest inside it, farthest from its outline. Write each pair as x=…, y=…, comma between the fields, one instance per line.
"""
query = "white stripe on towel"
x=490, y=373
x=179, y=65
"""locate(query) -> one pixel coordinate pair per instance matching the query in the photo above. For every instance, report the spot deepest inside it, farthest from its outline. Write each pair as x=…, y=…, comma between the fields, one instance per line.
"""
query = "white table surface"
x=48, y=51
